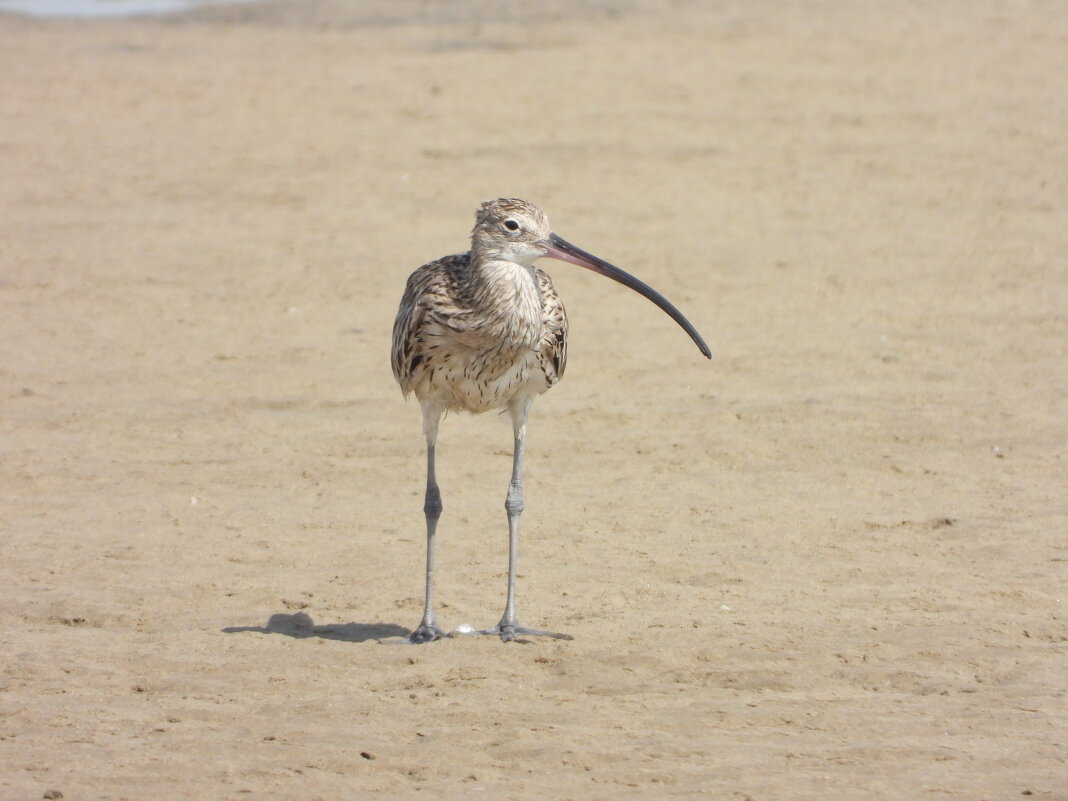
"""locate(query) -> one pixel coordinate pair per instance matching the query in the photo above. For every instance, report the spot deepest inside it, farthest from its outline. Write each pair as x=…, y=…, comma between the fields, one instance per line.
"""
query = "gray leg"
x=513, y=506
x=428, y=630
x=509, y=628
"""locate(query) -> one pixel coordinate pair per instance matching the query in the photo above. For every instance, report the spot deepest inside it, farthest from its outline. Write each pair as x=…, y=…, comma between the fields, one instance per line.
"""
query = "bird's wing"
x=553, y=345
x=428, y=291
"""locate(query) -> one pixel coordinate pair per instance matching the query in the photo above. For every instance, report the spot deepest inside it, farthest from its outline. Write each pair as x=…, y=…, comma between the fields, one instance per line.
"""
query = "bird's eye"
x=511, y=225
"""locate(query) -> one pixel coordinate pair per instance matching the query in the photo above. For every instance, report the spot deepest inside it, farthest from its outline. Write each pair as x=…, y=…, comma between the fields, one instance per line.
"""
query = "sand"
x=828, y=564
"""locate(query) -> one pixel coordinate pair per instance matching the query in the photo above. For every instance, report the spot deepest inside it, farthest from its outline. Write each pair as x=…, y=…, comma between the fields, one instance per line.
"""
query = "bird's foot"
x=511, y=632
x=427, y=632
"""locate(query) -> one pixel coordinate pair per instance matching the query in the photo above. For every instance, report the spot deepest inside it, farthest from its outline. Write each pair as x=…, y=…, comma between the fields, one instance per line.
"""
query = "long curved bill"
x=558, y=248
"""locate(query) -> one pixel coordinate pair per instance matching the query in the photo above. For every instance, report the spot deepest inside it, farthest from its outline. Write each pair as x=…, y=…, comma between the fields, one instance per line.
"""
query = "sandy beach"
x=828, y=564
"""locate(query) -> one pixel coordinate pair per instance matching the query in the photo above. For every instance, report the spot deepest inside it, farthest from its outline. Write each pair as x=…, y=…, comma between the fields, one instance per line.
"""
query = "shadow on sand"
x=301, y=625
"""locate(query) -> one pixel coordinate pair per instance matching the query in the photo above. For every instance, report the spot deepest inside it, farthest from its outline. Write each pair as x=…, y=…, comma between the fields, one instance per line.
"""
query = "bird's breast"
x=486, y=352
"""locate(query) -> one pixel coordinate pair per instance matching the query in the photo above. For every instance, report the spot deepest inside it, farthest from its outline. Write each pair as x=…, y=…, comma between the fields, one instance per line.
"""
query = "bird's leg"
x=428, y=630
x=508, y=628
x=513, y=506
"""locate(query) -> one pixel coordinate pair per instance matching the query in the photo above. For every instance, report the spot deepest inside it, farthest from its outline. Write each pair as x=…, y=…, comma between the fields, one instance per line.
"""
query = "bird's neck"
x=507, y=293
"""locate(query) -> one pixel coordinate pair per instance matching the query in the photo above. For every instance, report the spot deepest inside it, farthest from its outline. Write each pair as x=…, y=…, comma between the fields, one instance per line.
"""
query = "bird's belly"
x=481, y=381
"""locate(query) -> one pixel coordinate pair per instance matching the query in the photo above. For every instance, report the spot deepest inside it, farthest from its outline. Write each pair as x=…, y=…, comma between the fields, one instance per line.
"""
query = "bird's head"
x=510, y=229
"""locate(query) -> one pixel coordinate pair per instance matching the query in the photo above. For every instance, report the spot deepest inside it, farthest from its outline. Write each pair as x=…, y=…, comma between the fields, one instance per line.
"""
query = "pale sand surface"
x=829, y=564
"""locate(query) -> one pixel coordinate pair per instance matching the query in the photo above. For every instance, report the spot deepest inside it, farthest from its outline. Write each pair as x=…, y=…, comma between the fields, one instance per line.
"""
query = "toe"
x=425, y=634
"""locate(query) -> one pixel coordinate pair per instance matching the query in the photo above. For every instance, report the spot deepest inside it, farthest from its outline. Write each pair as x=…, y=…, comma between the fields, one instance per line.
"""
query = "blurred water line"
x=101, y=9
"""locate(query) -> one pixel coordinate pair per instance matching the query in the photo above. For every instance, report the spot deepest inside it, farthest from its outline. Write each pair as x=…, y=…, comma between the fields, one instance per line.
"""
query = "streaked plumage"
x=454, y=344
x=486, y=330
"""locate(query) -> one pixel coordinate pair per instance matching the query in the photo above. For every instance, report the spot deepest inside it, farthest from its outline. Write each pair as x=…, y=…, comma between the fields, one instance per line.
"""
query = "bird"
x=486, y=330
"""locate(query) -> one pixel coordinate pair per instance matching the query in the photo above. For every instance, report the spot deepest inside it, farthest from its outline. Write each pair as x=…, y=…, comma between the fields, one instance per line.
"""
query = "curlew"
x=486, y=330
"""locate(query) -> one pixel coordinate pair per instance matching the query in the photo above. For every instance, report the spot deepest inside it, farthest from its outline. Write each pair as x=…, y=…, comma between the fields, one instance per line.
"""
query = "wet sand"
x=828, y=564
